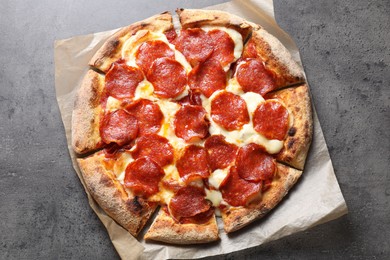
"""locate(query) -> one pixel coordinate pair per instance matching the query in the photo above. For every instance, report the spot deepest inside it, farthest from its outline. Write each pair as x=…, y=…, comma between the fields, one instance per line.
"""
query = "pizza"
x=208, y=118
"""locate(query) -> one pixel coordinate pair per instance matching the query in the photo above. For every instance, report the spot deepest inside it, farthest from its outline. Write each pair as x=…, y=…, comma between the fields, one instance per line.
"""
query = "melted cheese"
x=120, y=166
x=217, y=176
x=214, y=196
x=113, y=104
x=145, y=90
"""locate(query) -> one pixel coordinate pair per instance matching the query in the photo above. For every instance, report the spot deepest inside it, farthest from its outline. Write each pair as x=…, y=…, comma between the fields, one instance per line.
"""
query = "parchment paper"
x=315, y=199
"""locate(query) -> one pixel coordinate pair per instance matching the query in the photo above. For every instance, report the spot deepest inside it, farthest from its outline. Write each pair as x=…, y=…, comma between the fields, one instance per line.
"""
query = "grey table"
x=345, y=48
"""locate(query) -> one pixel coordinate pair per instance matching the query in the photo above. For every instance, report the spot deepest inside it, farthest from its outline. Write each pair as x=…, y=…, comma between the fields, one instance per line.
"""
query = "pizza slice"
x=104, y=112
x=188, y=219
x=266, y=65
x=299, y=135
x=250, y=200
x=100, y=175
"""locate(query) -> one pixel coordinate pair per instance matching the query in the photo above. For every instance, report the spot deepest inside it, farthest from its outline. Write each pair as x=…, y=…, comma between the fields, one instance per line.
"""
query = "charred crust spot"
x=237, y=219
x=297, y=109
x=111, y=46
x=307, y=125
x=292, y=131
x=135, y=205
x=290, y=143
x=94, y=99
x=106, y=181
x=115, y=43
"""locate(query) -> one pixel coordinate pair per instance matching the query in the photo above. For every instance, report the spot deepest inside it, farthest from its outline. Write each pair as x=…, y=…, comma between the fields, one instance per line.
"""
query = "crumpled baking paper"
x=315, y=199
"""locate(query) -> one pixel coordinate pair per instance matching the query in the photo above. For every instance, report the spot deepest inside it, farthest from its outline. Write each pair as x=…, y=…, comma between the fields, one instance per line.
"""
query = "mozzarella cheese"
x=217, y=176
x=113, y=104
x=214, y=196
x=145, y=90
x=120, y=166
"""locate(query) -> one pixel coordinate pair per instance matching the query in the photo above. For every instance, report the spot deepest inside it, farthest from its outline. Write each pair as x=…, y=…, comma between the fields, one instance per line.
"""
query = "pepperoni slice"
x=229, y=111
x=171, y=35
x=193, y=164
x=254, y=164
x=224, y=50
x=219, y=152
x=250, y=50
x=142, y=176
x=149, y=51
x=118, y=127
x=168, y=77
x=207, y=77
x=253, y=77
x=191, y=123
x=188, y=202
x=200, y=218
x=193, y=98
x=171, y=184
x=121, y=80
x=271, y=120
x=148, y=114
x=113, y=150
x=195, y=44
x=237, y=191
x=155, y=147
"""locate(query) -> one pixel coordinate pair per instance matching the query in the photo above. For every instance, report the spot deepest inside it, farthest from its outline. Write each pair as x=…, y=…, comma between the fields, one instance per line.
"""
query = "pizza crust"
x=131, y=212
x=86, y=114
x=111, y=49
x=236, y=218
x=277, y=58
x=193, y=18
x=165, y=229
x=297, y=143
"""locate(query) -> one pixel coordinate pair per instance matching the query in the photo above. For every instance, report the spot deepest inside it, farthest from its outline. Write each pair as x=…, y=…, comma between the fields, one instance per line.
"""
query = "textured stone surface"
x=345, y=48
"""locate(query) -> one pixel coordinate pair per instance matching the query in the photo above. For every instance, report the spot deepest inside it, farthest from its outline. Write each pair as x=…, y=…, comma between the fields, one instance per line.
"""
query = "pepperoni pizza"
x=209, y=119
